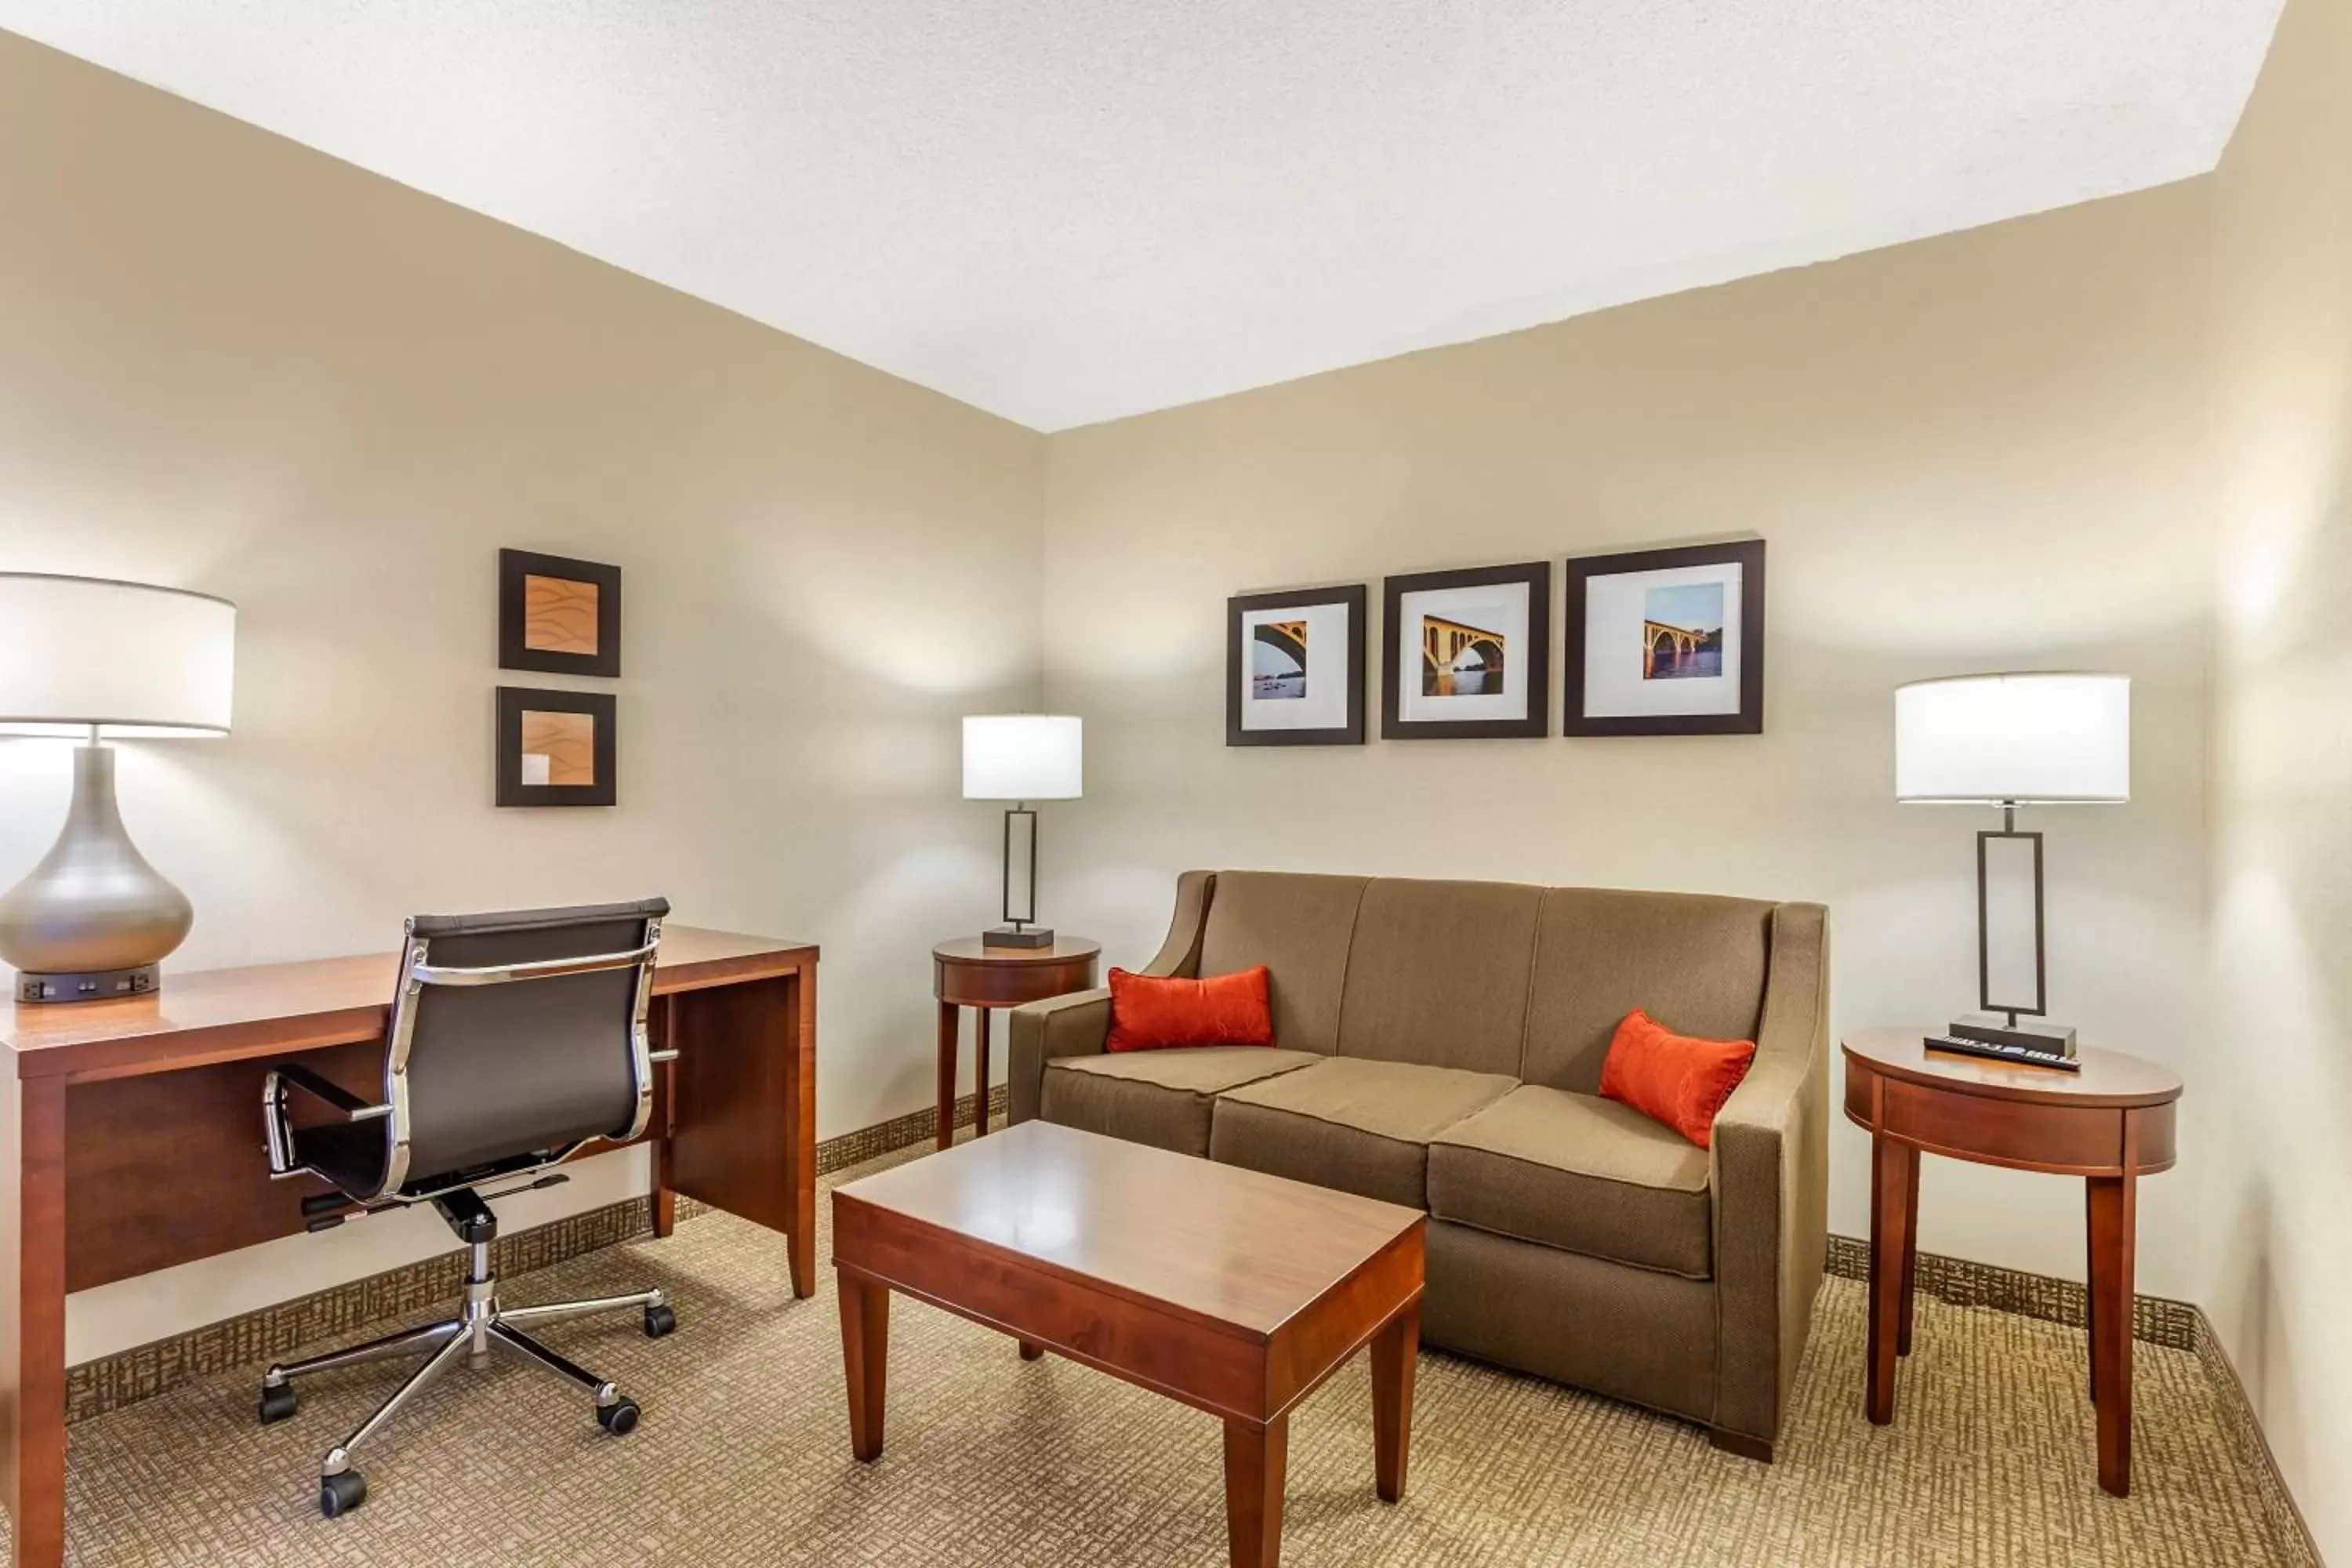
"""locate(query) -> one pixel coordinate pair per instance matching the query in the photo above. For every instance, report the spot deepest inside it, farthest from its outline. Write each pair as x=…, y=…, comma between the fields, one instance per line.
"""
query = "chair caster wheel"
x=341, y=1493
x=278, y=1402
x=620, y=1417
x=659, y=1321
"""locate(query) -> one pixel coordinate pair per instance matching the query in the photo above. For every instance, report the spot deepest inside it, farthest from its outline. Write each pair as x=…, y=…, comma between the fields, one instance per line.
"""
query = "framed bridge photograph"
x=1467, y=654
x=1294, y=667
x=1665, y=642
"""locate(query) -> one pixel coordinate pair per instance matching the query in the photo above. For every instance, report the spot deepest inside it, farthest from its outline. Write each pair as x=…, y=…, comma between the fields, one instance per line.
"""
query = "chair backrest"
x=516, y=1036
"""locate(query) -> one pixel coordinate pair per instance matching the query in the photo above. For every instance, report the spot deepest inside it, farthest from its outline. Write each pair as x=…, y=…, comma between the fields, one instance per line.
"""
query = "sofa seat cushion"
x=1581, y=1172
x=1161, y=1098
x=1361, y=1126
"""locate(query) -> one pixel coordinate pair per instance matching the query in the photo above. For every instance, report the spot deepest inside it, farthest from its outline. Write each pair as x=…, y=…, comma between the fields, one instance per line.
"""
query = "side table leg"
x=2113, y=1201
x=864, y=1361
x=2091, y=1283
x=1256, y=1460
x=946, y=1084
x=1894, y=1170
x=1910, y=1251
x=979, y=1073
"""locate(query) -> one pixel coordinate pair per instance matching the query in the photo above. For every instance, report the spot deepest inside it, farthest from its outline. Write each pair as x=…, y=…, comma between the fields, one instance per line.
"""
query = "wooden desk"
x=967, y=973
x=131, y=1139
x=2110, y=1124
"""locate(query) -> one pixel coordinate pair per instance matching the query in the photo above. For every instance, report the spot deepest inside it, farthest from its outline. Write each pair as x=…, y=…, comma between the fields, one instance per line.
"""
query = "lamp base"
x=90, y=985
x=1026, y=937
x=2032, y=1034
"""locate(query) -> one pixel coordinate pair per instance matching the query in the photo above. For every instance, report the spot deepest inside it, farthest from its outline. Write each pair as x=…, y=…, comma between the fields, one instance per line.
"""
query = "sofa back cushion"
x=1692, y=961
x=1438, y=974
x=1298, y=926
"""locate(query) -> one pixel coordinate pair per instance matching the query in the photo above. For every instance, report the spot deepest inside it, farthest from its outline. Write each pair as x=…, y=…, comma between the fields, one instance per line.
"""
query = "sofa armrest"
x=1072, y=1026
x=1769, y=1176
x=1077, y=1025
x=1179, y=949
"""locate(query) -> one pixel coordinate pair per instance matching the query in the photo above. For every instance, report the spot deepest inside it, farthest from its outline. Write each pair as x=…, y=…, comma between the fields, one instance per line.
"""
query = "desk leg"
x=33, y=1317
x=1256, y=1459
x=799, y=1116
x=979, y=1072
x=2113, y=1204
x=665, y=1124
x=1894, y=1173
x=945, y=1138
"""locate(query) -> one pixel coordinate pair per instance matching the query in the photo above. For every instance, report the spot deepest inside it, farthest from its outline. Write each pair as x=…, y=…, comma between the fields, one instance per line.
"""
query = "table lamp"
x=1021, y=757
x=2011, y=740
x=100, y=660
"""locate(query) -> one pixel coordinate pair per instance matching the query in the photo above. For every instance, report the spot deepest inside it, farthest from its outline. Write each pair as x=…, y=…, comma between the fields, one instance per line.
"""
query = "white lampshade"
x=133, y=660
x=2028, y=738
x=1023, y=756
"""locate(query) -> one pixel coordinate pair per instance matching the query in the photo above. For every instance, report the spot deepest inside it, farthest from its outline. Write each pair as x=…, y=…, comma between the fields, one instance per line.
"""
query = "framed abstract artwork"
x=556, y=748
x=1295, y=669
x=1665, y=642
x=558, y=616
x=1467, y=654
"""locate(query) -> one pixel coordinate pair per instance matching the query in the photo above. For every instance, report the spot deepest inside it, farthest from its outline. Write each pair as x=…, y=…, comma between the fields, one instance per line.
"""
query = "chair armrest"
x=1769, y=1176
x=278, y=1132
x=1072, y=1026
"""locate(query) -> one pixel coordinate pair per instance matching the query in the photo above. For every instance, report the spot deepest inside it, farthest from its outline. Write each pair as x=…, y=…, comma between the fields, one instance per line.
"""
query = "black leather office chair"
x=515, y=1039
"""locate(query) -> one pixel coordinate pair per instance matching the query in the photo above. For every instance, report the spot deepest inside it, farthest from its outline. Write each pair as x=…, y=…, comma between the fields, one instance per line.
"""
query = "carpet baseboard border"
x=266, y=1333
x=111, y=1382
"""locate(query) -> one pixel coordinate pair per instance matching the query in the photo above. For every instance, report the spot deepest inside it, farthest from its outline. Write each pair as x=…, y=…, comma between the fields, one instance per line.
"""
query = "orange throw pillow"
x=1673, y=1079
x=1149, y=1014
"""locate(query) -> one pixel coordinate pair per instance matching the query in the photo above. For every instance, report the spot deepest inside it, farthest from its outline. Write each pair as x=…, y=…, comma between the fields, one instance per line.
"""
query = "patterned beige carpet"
x=743, y=1458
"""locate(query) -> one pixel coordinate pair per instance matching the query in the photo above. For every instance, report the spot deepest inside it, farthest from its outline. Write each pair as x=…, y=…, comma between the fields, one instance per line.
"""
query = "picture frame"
x=556, y=748
x=1294, y=667
x=558, y=616
x=1664, y=642
x=1467, y=655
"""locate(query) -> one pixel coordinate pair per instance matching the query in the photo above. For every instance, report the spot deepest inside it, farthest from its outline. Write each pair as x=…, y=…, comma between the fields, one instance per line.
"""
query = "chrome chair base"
x=485, y=1326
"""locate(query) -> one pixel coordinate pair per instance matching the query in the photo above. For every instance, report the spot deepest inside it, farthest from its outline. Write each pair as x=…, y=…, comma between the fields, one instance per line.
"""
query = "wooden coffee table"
x=1235, y=1292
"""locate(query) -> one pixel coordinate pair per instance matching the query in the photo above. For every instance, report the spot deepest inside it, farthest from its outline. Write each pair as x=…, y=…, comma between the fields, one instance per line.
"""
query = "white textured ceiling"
x=1068, y=210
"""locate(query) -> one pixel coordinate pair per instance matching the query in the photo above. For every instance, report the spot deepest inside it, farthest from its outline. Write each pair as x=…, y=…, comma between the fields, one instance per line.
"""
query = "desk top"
x=217, y=1015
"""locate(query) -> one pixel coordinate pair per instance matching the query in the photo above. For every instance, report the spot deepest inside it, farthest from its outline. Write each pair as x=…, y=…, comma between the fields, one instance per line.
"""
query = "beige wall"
x=1977, y=452
x=2283, y=750
x=230, y=363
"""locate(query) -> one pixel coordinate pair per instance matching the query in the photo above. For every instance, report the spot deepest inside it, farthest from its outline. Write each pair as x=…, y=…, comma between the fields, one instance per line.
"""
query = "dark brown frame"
x=513, y=702
x=1749, y=554
x=1349, y=733
x=514, y=565
x=1537, y=577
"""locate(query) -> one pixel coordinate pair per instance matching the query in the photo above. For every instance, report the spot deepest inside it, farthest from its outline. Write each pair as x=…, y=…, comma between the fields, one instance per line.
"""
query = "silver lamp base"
x=93, y=919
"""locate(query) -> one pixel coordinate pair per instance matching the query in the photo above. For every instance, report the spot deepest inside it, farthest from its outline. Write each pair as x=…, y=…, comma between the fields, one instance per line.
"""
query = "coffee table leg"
x=865, y=1360
x=1255, y=1461
x=1395, y=1349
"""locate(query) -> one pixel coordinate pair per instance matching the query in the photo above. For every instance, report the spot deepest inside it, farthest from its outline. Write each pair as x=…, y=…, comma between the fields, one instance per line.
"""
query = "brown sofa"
x=1439, y=1044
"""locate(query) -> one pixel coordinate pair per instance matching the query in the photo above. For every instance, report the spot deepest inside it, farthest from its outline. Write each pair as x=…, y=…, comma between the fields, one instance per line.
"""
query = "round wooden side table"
x=2110, y=1124
x=967, y=974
